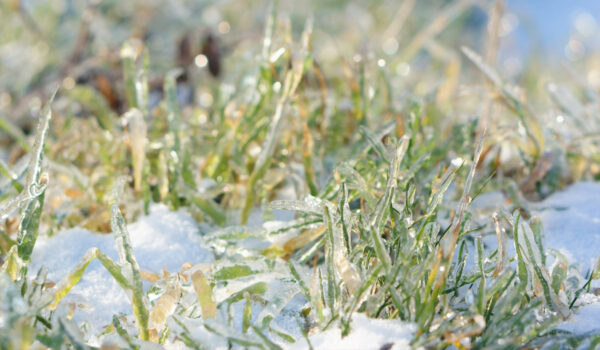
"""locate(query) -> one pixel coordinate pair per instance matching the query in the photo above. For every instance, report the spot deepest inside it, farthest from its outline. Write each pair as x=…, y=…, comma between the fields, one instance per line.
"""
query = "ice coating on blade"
x=355, y=181
x=33, y=184
x=165, y=305
x=137, y=133
x=343, y=267
x=310, y=205
x=279, y=294
x=378, y=219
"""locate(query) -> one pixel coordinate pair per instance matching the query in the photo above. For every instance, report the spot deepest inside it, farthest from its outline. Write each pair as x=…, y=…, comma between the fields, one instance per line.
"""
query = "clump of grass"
x=384, y=175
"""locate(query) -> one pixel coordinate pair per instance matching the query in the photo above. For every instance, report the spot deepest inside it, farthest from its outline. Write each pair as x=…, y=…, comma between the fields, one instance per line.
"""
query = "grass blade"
x=131, y=271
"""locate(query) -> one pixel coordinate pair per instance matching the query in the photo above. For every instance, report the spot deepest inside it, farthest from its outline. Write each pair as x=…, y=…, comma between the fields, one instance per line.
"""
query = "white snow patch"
x=367, y=333
x=585, y=319
x=571, y=220
x=162, y=239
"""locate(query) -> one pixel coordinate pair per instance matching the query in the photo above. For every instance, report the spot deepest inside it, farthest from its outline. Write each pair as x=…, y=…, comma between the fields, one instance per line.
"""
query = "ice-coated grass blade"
x=130, y=270
x=15, y=133
x=172, y=104
x=532, y=257
x=264, y=158
x=129, y=54
x=210, y=208
x=69, y=281
x=292, y=80
x=8, y=173
x=29, y=227
x=11, y=264
x=375, y=143
x=232, y=335
x=35, y=188
x=247, y=315
x=382, y=208
x=89, y=98
x=337, y=244
x=137, y=137
x=502, y=254
x=164, y=307
x=440, y=188
x=122, y=276
x=307, y=160
x=205, y=295
x=481, y=292
x=333, y=290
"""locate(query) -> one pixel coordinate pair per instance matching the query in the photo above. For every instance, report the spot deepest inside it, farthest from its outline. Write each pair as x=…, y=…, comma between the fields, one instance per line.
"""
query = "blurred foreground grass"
x=384, y=120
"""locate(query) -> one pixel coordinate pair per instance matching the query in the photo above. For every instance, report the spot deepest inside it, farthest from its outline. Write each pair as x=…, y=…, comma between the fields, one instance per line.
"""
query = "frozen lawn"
x=165, y=239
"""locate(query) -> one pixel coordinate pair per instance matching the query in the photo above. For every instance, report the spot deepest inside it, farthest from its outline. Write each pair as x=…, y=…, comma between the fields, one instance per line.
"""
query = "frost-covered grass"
x=333, y=183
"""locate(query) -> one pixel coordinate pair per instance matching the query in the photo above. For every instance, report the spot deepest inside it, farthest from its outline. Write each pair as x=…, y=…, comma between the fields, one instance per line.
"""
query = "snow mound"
x=367, y=333
x=571, y=220
x=163, y=239
x=586, y=318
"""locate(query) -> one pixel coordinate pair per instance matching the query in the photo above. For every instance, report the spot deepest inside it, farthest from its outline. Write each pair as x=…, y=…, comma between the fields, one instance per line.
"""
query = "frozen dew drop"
x=457, y=162
x=224, y=27
x=202, y=118
x=521, y=129
x=68, y=83
x=508, y=24
x=403, y=69
x=206, y=99
x=277, y=55
x=594, y=78
x=201, y=61
x=390, y=46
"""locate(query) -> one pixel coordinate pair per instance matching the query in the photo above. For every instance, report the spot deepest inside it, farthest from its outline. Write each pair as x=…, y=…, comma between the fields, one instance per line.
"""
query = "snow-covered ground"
x=165, y=239
x=571, y=221
x=367, y=333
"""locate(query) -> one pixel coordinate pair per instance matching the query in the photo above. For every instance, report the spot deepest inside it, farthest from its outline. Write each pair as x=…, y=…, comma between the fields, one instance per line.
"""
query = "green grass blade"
x=131, y=270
